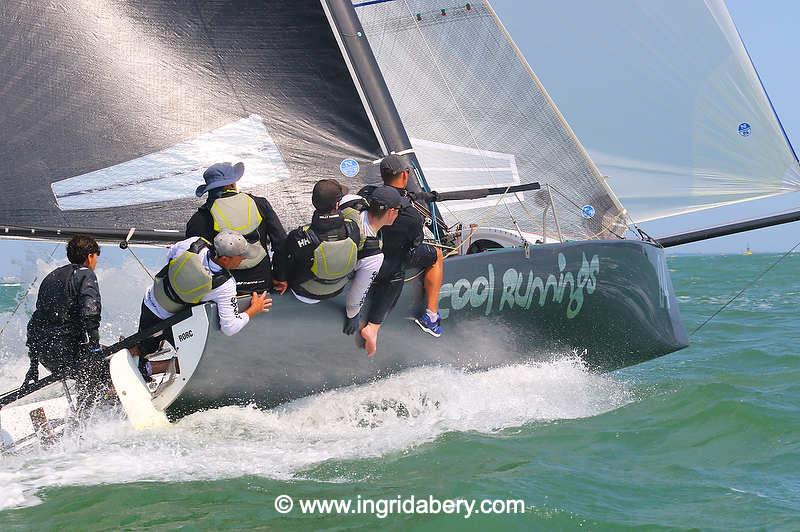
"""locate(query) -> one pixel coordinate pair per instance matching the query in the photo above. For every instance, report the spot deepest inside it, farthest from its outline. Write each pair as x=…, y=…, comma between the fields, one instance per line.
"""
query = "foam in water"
x=387, y=416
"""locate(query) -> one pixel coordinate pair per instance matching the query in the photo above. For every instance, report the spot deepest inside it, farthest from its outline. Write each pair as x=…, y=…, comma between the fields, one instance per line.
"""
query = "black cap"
x=387, y=197
x=391, y=165
x=326, y=193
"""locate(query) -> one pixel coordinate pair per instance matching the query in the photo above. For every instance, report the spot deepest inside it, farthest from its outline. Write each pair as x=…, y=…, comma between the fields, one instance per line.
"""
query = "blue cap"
x=219, y=175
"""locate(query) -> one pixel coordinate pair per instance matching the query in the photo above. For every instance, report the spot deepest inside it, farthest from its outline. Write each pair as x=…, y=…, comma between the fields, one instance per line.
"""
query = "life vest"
x=185, y=280
x=334, y=258
x=239, y=213
x=367, y=245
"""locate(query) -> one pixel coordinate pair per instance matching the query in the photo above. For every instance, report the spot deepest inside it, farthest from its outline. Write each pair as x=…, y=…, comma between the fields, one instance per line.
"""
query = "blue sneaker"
x=434, y=328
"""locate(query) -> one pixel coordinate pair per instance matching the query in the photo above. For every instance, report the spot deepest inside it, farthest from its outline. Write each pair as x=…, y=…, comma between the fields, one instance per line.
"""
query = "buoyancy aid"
x=334, y=257
x=239, y=213
x=351, y=210
x=185, y=280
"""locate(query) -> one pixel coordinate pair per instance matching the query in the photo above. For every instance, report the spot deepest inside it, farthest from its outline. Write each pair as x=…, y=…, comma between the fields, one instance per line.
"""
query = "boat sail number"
x=522, y=290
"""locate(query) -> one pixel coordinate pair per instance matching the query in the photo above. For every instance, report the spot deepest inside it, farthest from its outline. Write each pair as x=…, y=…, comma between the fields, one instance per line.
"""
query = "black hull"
x=611, y=301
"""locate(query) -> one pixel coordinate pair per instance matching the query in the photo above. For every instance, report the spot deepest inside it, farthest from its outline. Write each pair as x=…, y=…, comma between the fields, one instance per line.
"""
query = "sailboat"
x=748, y=251
x=118, y=108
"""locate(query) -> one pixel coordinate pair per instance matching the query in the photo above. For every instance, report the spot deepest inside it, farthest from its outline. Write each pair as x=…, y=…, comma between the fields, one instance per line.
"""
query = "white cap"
x=230, y=244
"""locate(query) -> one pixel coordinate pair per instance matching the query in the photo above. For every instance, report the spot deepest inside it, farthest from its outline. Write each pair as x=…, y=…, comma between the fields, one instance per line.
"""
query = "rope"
x=742, y=291
x=25, y=295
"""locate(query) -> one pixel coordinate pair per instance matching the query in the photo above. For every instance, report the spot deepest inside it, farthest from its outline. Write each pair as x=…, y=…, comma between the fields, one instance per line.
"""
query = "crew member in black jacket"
x=250, y=216
x=63, y=333
x=403, y=247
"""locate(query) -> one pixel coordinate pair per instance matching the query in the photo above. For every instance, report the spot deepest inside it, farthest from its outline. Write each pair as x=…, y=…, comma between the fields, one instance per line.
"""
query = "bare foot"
x=370, y=335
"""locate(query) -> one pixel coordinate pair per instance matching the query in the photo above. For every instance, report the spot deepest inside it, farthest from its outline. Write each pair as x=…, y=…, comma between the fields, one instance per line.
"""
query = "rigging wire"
x=460, y=111
x=25, y=295
x=147, y=271
x=742, y=291
x=602, y=225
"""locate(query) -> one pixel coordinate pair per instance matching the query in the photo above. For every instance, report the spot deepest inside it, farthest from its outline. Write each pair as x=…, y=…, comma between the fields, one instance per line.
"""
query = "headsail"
x=110, y=111
x=666, y=100
x=478, y=116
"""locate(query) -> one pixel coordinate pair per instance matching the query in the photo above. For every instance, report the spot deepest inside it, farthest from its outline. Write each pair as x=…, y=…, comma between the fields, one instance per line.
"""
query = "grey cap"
x=392, y=164
x=388, y=198
x=230, y=244
x=219, y=175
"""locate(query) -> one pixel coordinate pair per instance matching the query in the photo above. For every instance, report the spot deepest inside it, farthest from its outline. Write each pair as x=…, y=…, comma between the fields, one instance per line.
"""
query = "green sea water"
x=705, y=438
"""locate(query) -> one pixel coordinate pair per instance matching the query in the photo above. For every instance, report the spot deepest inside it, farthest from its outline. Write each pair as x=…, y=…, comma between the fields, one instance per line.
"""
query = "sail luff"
x=764, y=88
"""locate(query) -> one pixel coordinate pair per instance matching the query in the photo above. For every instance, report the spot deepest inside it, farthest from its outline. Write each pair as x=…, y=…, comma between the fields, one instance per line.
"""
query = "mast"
x=370, y=84
x=729, y=229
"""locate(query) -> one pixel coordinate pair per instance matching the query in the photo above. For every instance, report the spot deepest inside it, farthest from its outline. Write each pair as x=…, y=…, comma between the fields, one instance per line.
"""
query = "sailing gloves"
x=350, y=324
x=33, y=373
x=425, y=197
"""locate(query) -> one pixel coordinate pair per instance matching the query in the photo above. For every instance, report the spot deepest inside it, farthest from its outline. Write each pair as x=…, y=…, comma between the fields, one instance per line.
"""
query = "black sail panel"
x=111, y=110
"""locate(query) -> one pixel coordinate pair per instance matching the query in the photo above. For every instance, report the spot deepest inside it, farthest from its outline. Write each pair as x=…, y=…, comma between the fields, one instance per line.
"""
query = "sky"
x=767, y=28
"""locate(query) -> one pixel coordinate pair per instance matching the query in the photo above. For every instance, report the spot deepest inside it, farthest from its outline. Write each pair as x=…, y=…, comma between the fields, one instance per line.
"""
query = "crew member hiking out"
x=403, y=248
x=250, y=216
x=341, y=243
x=196, y=273
x=63, y=333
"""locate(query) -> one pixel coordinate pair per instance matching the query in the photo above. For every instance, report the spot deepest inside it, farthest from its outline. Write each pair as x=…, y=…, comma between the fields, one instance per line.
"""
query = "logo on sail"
x=349, y=167
x=744, y=129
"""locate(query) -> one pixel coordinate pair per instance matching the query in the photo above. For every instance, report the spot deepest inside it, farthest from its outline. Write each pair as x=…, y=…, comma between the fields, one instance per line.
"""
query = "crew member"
x=403, y=247
x=250, y=216
x=195, y=273
x=338, y=245
x=63, y=333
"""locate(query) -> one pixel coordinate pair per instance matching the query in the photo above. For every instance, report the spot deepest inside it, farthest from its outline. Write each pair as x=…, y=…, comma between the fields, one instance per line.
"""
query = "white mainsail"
x=665, y=98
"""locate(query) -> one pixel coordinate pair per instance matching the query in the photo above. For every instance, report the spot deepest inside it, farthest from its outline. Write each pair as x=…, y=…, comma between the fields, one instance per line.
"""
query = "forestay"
x=478, y=116
x=665, y=98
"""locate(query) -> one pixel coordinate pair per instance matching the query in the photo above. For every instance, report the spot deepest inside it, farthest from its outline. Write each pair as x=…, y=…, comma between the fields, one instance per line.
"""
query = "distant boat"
x=748, y=251
x=9, y=280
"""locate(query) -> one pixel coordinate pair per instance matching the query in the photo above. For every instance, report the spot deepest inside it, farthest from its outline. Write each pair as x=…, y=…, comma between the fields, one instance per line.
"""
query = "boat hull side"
x=612, y=302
